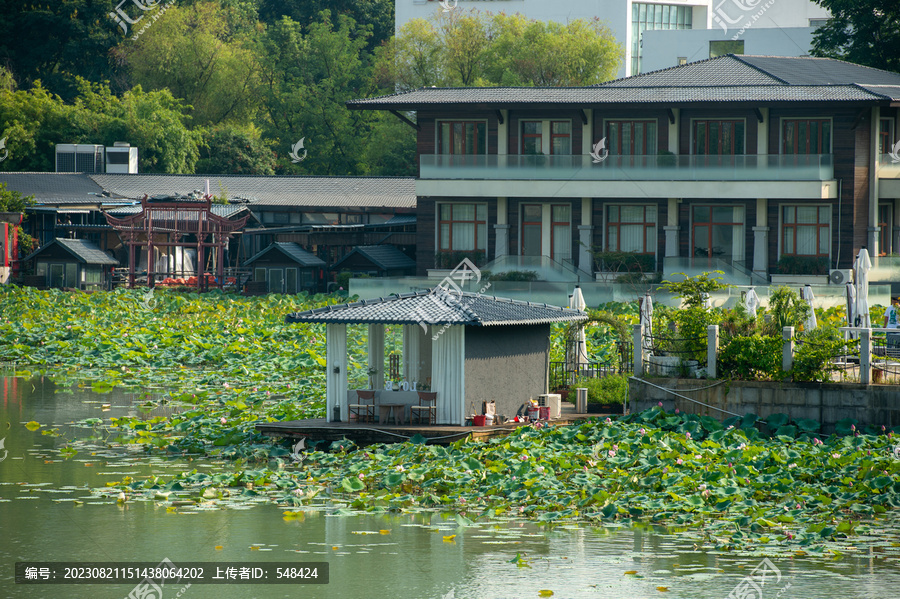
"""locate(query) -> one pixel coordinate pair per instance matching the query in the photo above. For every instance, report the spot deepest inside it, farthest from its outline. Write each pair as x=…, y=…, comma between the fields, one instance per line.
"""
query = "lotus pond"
x=131, y=437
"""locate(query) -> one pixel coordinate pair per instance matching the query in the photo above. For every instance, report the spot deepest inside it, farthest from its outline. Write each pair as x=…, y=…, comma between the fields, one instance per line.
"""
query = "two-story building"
x=737, y=160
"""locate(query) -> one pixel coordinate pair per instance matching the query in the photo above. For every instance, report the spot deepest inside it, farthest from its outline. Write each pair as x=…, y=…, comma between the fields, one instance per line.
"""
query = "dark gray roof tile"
x=440, y=307
x=292, y=251
x=84, y=251
x=386, y=257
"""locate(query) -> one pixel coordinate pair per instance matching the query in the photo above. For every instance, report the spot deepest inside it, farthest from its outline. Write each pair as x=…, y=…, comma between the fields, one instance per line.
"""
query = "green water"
x=48, y=512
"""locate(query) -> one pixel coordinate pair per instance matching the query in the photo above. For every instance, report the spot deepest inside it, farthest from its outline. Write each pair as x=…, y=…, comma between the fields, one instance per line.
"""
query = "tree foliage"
x=229, y=150
x=865, y=32
x=480, y=49
x=13, y=201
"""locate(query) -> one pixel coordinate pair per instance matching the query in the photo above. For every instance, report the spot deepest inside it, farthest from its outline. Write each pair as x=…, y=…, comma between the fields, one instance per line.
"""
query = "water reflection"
x=48, y=513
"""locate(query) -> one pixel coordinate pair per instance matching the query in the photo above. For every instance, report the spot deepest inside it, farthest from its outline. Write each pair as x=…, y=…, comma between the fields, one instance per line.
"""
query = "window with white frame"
x=631, y=228
x=805, y=230
x=462, y=227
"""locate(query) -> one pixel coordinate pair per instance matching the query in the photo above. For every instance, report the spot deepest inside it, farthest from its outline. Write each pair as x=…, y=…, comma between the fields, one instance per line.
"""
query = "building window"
x=561, y=137
x=818, y=22
x=682, y=60
x=532, y=229
x=560, y=141
x=531, y=137
x=806, y=136
x=655, y=16
x=631, y=229
x=885, y=136
x=718, y=137
x=462, y=227
x=561, y=232
x=723, y=47
x=718, y=232
x=463, y=137
x=631, y=138
x=806, y=230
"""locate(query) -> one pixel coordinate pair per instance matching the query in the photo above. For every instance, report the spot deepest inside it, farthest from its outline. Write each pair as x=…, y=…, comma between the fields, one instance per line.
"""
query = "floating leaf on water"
x=218, y=548
x=662, y=589
x=630, y=572
x=450, y=539
x=545, y=593
x=32, y=426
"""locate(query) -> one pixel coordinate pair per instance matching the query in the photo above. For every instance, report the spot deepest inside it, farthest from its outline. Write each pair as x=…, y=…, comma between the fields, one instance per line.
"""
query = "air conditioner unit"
x=840, y=276
x=553, y=401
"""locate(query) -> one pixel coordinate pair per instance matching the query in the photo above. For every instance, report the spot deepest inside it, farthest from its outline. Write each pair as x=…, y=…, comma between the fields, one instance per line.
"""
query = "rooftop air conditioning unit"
x=121, y=158
x=840, y=276
x=553, y=401
x=79, y=158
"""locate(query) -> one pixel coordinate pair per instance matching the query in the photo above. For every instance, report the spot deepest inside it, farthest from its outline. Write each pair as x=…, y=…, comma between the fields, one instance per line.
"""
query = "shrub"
x=512, y=275
x=610, y=389
x=813, y=357
x=802, y=265
x=452, y=259
x=748, y=358
x=787, y=310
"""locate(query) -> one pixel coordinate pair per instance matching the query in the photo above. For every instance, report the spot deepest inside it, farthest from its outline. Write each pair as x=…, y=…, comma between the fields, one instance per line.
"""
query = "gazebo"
x=467, y=347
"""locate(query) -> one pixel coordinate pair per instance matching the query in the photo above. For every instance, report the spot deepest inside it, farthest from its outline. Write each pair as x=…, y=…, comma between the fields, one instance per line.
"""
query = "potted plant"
x=605, y=394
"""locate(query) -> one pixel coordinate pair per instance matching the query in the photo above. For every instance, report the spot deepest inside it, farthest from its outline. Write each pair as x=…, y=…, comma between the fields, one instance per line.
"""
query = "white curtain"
x=376, y=354
x=448, y=376
x=336, y=382
x=411, y=352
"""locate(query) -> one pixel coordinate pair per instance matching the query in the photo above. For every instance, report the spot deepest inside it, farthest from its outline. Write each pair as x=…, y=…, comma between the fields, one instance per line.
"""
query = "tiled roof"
x=389, y=192
x=83, y=250
x=223, y=210
x=57, y=188
x=385, y=257
x=723, y=79
x=440, y=307
x=292, y=251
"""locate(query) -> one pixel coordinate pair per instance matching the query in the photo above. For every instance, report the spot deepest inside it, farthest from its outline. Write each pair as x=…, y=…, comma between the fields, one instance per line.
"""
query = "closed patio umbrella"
x=807, y=294
x=647, y=321
x=751, y=302
x=861, y=273
x=851, y=304
x=578, y=354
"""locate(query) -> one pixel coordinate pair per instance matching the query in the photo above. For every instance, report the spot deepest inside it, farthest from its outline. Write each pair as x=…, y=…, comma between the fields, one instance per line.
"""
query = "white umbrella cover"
x=579, y=356
x=861, y=273
x=811, y=322
x=851, y=305
x=751, y=302
x=647, y=321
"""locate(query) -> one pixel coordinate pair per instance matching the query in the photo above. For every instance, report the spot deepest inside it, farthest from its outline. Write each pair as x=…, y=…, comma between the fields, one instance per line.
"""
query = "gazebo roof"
x=439, y=307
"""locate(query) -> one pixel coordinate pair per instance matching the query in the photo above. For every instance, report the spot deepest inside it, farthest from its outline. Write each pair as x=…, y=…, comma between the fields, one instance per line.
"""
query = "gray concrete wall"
x=507, y=364
x=824, y=402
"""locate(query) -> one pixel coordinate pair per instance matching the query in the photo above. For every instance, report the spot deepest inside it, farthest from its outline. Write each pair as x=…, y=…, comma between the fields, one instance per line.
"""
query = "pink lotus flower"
x=679, y=461
x=611, y=453
x=222, y=420
x=643, y=432
x=688, y=435
x=660, y=404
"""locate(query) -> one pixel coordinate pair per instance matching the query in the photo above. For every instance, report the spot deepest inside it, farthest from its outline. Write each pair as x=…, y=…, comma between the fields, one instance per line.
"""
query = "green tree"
x=376, y=15
x=13, y=201
x=306, y=80
x=57, y=42
x=36, y=120
x=480, y=49
x=228, y=150
x=200, y=54
x=865, y=32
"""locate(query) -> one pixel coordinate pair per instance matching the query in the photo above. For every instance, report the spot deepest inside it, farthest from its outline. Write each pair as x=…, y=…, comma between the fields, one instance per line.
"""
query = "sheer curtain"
x=411, y=352
x=448, y=377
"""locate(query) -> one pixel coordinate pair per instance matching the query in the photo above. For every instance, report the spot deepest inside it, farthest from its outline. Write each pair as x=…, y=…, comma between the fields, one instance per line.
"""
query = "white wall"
x=662, y=48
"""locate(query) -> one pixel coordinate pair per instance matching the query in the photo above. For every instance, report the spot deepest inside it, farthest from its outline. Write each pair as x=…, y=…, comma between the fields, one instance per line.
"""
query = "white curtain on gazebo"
x=448, y=376
x=411, y=358
x=376, y=355
x=336, y=382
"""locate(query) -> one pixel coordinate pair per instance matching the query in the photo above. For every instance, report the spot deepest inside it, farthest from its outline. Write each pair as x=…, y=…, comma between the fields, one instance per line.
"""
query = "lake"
x=52, y=510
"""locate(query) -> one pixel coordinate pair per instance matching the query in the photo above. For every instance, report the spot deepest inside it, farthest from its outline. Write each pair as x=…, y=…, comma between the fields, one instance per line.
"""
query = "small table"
x=386, y=411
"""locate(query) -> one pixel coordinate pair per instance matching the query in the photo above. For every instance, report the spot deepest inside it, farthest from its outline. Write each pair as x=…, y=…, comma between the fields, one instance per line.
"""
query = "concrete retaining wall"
x=824, y=402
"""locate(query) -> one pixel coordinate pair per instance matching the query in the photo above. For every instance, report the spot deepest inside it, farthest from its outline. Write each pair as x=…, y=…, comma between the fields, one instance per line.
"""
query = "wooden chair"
x=365, y=408
x=427, y=407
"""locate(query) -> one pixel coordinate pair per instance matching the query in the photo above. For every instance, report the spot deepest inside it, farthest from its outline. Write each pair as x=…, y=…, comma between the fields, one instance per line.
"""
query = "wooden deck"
x=363, y=434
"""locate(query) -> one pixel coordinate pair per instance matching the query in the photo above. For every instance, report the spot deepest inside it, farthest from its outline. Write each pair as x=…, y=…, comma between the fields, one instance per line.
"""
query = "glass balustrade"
x=797, y=167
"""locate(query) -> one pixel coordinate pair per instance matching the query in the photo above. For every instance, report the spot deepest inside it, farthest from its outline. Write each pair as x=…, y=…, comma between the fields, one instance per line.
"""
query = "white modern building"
x=723, y=20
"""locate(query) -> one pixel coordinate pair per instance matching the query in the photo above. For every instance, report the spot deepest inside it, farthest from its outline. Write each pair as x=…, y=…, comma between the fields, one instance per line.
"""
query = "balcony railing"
x=888, y=166
x=768, y=167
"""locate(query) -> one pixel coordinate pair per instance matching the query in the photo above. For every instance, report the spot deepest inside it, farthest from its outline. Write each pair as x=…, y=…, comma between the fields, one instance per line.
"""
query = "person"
x=892, y=321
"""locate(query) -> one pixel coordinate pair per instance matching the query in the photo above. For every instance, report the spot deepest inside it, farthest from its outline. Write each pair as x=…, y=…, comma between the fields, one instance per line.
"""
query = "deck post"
x=865, y=356
x=712, y=349
x=336, y=371
x=787, y=351
x=376, y=355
